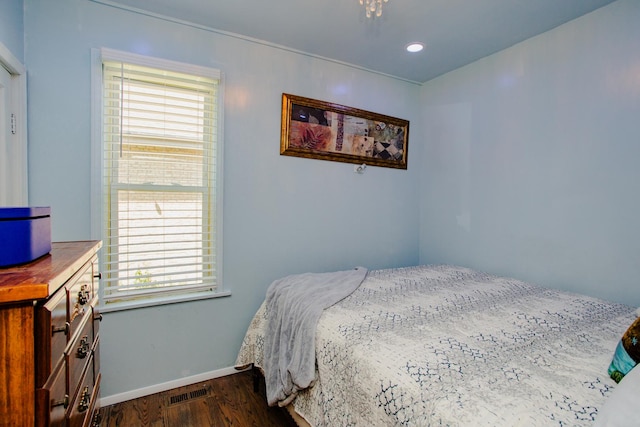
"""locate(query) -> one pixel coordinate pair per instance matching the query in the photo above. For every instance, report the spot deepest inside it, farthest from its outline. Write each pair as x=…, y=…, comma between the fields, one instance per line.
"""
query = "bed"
x=444, y=345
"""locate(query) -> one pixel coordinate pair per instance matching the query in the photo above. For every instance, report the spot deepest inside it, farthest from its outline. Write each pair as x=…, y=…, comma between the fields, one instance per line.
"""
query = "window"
x=160, y=180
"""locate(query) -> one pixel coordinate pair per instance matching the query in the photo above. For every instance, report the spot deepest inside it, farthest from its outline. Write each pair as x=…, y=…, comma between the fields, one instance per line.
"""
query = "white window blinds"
x=160, y=157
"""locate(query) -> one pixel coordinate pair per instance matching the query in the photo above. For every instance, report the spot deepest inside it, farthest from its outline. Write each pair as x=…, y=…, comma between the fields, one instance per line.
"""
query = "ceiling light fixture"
x=373, y=7
x=414, y=47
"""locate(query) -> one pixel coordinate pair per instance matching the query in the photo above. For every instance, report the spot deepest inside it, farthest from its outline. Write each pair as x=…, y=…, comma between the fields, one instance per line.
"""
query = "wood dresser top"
x=40, y=278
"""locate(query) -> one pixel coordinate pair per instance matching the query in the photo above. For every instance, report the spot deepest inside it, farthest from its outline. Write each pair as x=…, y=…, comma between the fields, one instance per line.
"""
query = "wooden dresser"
x=49, y=341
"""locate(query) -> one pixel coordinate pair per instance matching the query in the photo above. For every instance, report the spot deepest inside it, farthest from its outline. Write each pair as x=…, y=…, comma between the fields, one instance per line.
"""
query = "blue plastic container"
x=25, y=234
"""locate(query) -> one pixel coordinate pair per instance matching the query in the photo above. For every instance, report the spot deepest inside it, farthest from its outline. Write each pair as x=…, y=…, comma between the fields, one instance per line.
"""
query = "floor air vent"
x=179, y=398
x=183, y=397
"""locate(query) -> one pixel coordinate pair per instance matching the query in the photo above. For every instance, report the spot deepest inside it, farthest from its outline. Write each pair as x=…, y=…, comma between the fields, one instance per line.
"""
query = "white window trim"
x=18, y=105
x=97, y=57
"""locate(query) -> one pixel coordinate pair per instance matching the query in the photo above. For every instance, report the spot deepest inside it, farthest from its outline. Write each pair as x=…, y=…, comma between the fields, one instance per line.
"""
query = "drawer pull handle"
x=83, y=405
x=96, y=420
x=83, y=295
x=98, y=276
x=83, y=348
x=65, y=329
x=64, y=402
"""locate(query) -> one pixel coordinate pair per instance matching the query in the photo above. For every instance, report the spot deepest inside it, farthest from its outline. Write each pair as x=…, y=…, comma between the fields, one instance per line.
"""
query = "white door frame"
x=19, y=107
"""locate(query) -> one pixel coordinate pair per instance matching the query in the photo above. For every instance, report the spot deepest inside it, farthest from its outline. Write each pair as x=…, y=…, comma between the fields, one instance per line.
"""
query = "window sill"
x=153, y=302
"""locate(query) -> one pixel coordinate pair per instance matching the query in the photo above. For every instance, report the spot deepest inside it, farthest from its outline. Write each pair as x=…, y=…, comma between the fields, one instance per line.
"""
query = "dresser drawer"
x=94, y=418
x=52, y=334
x=80, y=296
x=96, y=358
x=96, y=279
x=97, y=318
x=58, y=319
x=52, y=400
x=78, y=353
x=81, y=409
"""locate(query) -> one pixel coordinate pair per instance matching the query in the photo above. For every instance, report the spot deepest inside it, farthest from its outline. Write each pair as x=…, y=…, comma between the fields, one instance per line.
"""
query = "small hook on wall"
x=359, y=168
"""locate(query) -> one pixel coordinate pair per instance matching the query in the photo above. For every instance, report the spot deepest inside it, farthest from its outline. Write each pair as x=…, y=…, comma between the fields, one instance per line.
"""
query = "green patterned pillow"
x=627, y=354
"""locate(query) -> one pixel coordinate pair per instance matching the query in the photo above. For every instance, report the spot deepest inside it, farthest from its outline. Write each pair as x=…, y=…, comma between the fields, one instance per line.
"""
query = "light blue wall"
x=519, y=164
x=282, y=215
x=12, y=27
x=531, y=161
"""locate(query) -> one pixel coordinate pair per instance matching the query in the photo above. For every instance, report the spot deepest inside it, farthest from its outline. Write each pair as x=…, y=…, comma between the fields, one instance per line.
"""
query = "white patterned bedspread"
x=442, y=345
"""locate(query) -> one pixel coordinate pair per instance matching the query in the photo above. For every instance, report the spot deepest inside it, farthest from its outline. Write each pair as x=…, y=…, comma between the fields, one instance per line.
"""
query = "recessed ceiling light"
x=415, y=47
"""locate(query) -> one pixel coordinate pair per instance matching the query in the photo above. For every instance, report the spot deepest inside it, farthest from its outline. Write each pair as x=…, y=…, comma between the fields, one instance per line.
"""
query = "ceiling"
x=454, y=32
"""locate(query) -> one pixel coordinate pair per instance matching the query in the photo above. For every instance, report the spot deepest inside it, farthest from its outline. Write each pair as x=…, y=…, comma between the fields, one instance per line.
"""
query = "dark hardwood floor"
x=225, y=401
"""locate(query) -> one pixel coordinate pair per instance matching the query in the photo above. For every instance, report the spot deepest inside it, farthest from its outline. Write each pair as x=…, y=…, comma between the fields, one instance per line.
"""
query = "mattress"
x=445, y=345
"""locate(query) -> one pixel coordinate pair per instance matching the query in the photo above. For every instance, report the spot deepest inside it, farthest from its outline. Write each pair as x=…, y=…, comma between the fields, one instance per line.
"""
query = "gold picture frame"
x=322, y=130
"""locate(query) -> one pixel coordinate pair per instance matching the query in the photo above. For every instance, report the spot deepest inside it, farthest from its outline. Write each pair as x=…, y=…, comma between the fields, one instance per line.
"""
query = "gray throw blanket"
x=294, y=306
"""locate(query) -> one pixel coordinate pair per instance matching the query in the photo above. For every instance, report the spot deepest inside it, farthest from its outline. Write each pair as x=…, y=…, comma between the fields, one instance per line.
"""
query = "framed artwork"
x=322, y=130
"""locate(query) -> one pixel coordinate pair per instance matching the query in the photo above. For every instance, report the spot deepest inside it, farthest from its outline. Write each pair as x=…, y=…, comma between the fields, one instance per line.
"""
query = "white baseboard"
x=169, y=385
